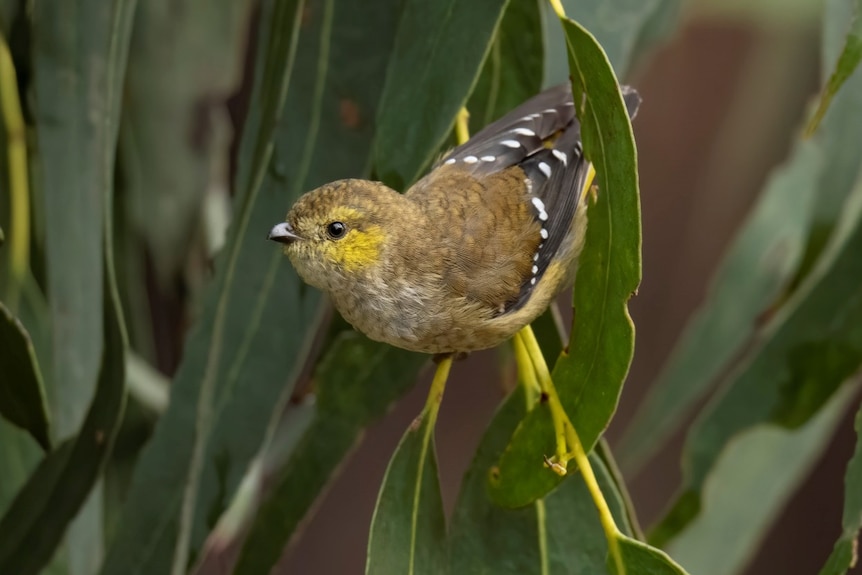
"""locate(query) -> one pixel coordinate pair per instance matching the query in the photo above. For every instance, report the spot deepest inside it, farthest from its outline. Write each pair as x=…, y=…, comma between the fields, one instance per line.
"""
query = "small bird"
x=472, y=252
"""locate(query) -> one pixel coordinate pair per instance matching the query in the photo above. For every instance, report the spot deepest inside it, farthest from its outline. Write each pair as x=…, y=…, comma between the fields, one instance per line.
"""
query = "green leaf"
x=512, y=71
x=34, y=524
x=618, y=25
x=811, y=346
x=756, y=270
x=841, y=143
x=639, y=558
x=744, y=494
x=358, y=380
x=558, y=534
x=844, y=67
x=79, y=60
x=590, y=373
x=185, y=61
x=317, y=86
x=439, y=49
x=845, y=554
x=22, y=394
x=408, y=530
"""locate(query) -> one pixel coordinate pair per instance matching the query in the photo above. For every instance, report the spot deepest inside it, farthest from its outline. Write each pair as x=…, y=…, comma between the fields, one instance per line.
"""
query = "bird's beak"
x=283, y=234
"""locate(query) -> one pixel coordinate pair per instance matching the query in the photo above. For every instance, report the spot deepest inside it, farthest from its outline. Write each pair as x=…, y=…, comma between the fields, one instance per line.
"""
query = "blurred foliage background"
x=174, y=400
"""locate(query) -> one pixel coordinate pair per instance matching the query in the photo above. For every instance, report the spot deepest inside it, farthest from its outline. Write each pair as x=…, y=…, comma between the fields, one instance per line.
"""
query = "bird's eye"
x=336, y=230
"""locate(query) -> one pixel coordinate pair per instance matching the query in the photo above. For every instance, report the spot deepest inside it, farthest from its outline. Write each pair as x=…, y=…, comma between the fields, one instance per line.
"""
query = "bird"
x=472, y=252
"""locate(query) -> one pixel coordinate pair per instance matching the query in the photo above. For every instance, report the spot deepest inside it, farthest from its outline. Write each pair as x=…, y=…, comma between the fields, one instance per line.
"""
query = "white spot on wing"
x=536, y=257
x=511, y=143
x=544, y=167
x=471, y=160
x=524, y=132
x=561, y=156
x=535, y=270
x=488, y=158
x=544, y=233
x=450, y=161
x=540, y=207
x=533, y=281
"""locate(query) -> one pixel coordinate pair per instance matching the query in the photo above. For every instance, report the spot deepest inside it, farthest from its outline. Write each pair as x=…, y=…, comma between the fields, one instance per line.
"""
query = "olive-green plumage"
x=467, y=256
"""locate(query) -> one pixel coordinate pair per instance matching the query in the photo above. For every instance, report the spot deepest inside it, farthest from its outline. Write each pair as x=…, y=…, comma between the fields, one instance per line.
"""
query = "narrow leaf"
x=639, y=558
x=590, y=373
x=34, y=524
x=512, y=71
x=744, y=495
x=22, y=393
x=844, y=67
x=357, y=382
x=845, y=555
x=316, y=91
x=810, y=347
x=439, y=49
x=408, y=531
x=757, y=268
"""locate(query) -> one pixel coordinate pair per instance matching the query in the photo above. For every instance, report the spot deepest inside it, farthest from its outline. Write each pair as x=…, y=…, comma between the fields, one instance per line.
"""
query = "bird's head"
x=338, y=232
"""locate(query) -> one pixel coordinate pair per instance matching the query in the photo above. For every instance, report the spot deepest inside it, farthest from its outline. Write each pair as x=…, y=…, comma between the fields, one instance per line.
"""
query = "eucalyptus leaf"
x=22, y=393
x=36, y=520
x=845, y=554
x=439, y=49
x=512, y=72
x=756, y=270
x=743, y=496
x=847, y=63
x=317, y=85
x=590, y=372
x=357, y=382
x=811, y=346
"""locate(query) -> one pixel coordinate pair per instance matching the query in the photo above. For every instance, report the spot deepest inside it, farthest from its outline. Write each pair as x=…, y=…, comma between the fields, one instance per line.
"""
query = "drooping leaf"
x=811, y=346
x=841, y=142
x=512, y=72
x=558, y=534
x=184, y=62
x=639, y=558
x=744, y=495
x=624, y=28
x=408, y=530
x=847, y=63
x=79, y=53
x=357, y=381
x=36, y=520
x=317, y=84
x=757, y=268
x=590, y=373
x=439, y=49
x=22, y=393
x=845, y=555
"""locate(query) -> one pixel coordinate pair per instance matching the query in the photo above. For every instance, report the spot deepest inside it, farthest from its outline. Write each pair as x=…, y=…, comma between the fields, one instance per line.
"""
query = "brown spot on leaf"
x=350, y=115
x=100, y=437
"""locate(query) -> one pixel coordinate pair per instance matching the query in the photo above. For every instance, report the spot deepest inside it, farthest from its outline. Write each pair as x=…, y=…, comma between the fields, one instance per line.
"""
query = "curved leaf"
x=755, y=271
x=744, y=494
x=317, y=85
x=408, y=530
x=845, y=554
x=22, y=394
x=810, y=347
x=844, y=67
x=35, y=522
x=439, y=49
x=590, y=372
x=357, y=381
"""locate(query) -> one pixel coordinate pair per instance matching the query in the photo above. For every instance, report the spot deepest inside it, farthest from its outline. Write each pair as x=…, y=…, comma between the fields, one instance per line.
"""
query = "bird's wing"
x=539, y=145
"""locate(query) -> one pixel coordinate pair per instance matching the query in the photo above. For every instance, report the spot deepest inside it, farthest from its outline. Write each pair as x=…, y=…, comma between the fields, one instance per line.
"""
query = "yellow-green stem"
x=526, y=373
x=558, y=8
x=612, y=533
x=438, y=386
x=462, y=126
x=19, y=226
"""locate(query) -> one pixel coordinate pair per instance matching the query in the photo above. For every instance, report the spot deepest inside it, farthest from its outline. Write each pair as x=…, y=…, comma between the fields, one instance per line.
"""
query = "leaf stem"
x=558, y=8
x=19, y=226
x=526, y=373
x=561, y=419
x=462, y=125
